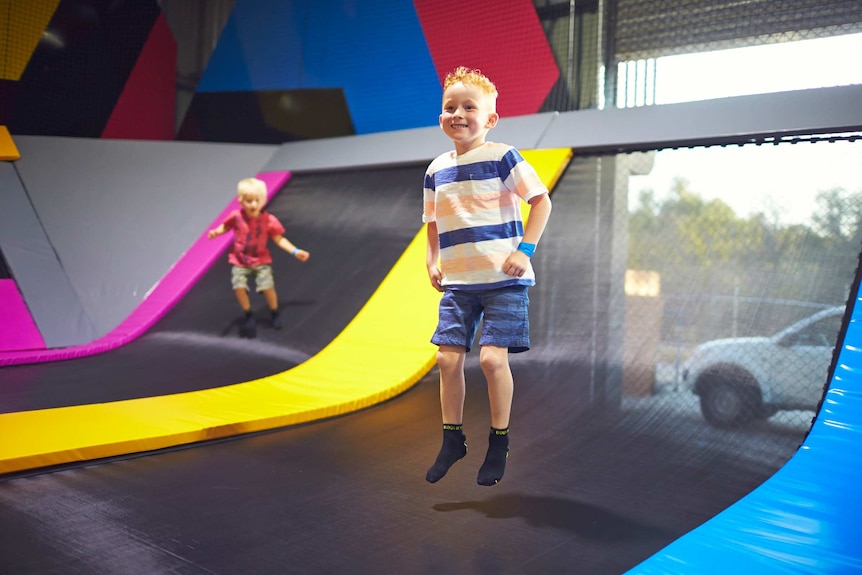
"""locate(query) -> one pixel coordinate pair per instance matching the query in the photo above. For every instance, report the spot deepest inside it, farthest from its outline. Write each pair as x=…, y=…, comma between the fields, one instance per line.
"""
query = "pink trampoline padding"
x=164, y=295
x=18, y=331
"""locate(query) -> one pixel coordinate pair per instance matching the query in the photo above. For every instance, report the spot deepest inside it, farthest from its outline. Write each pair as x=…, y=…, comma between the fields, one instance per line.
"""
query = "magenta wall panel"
x=18, y=331
x=145, y=109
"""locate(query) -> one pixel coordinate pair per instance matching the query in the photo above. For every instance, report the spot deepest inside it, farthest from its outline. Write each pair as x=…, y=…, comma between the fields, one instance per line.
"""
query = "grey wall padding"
x=119, y=213
x=38, y=273
x=401, y=147
x=800, y=112
x=736, y=119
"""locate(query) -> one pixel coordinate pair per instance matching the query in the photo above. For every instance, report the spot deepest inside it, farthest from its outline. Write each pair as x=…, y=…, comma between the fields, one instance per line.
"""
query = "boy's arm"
x=432, y=254
x=216, y=231
x=540, y=211
x=287, y=246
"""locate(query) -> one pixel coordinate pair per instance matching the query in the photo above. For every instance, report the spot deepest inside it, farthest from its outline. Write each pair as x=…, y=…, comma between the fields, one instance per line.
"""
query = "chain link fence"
x=732, y=316
x=734, y=287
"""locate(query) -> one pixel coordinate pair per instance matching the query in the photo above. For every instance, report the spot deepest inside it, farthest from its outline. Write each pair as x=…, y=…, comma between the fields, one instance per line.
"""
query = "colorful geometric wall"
x=280, y=71
x=97, y=69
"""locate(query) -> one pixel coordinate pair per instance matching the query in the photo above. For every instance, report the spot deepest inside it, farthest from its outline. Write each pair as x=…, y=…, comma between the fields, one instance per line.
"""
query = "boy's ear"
x=493, y=117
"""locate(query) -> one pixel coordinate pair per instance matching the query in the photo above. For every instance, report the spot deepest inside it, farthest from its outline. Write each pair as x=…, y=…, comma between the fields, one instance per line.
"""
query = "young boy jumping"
x=478, y=255
x=252, y=227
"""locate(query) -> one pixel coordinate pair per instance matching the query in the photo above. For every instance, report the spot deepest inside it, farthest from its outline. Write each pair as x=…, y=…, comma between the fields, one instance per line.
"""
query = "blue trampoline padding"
x=805, y=519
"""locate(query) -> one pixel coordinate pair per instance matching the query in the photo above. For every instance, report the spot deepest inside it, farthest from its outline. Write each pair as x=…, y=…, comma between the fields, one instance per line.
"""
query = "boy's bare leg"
x=498, y=374
x=242, y=298
x=450, y=362
x=271, y=298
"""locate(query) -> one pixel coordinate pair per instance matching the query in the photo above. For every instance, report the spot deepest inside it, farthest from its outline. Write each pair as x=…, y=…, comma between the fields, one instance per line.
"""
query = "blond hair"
x=252, y=187
x=474, y=77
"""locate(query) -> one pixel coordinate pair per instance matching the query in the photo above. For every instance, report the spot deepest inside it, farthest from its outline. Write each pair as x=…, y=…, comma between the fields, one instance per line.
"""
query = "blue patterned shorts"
x=506, y=321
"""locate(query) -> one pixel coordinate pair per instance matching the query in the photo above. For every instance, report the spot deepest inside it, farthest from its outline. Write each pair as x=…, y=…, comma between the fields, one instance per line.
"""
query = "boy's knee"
x=493, y=358
x=448, y=358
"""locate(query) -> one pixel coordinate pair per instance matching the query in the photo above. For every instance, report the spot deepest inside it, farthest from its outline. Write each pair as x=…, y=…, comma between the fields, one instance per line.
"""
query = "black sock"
x=454, y=448
x=249, y=327
x=276, y=319
x=494, y=466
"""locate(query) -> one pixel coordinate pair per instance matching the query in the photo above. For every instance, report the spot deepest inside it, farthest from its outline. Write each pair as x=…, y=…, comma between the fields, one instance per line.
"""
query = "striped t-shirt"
x=475, y=199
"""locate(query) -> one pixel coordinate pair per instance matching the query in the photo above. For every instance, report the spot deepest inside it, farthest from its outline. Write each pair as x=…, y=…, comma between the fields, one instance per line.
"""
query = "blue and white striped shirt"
x=475, y=199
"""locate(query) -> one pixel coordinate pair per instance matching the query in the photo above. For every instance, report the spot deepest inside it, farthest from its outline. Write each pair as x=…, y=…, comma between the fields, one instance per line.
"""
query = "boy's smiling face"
x=251, y=205
x=467, y=116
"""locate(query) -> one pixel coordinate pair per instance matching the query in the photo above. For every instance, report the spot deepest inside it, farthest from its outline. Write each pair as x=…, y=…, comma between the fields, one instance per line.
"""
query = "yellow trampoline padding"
x=383, y=351
x=8, y=149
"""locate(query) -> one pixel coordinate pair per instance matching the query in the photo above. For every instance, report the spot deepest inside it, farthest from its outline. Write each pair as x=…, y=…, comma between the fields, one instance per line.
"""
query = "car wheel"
x=726, y=404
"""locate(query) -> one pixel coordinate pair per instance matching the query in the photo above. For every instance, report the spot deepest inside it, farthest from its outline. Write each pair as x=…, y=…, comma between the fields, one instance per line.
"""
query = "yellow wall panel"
x=549, y=165
x=8, y=149
x=22, y=23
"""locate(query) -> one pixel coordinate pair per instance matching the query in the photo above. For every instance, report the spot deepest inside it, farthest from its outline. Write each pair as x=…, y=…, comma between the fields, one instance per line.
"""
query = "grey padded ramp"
x=119, y=213
x=37, y=271
x=197, y=345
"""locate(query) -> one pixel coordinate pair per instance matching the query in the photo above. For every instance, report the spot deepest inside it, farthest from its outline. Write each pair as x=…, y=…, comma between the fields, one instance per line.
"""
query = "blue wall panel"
x=374, y=50
x=260, y=48
x=377, y=54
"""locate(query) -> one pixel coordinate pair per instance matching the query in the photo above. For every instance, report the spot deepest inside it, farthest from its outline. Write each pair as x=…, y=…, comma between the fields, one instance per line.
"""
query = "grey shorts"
x=262, y=276
x=506, y=319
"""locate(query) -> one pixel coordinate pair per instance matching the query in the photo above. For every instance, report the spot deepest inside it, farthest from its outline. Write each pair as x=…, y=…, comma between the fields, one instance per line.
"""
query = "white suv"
x=746, y=378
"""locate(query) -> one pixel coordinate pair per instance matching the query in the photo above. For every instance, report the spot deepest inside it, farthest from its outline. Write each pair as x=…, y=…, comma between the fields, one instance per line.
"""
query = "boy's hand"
x=516, y=264
x=212, y=234
x=436, y=277
x=301, y=255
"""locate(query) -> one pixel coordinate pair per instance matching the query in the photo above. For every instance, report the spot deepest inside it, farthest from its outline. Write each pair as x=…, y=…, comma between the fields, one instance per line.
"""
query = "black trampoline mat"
x=588, y=488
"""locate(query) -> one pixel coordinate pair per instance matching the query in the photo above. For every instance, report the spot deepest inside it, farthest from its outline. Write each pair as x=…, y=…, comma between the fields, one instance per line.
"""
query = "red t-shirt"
x=250, y=236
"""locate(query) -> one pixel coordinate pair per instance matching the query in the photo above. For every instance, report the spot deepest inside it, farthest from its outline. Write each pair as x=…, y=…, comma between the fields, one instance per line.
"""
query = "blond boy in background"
x=252, y=228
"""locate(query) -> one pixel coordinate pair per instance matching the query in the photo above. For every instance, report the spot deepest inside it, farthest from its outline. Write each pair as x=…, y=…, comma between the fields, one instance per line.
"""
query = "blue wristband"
x=526, y=248
x=295, y=249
